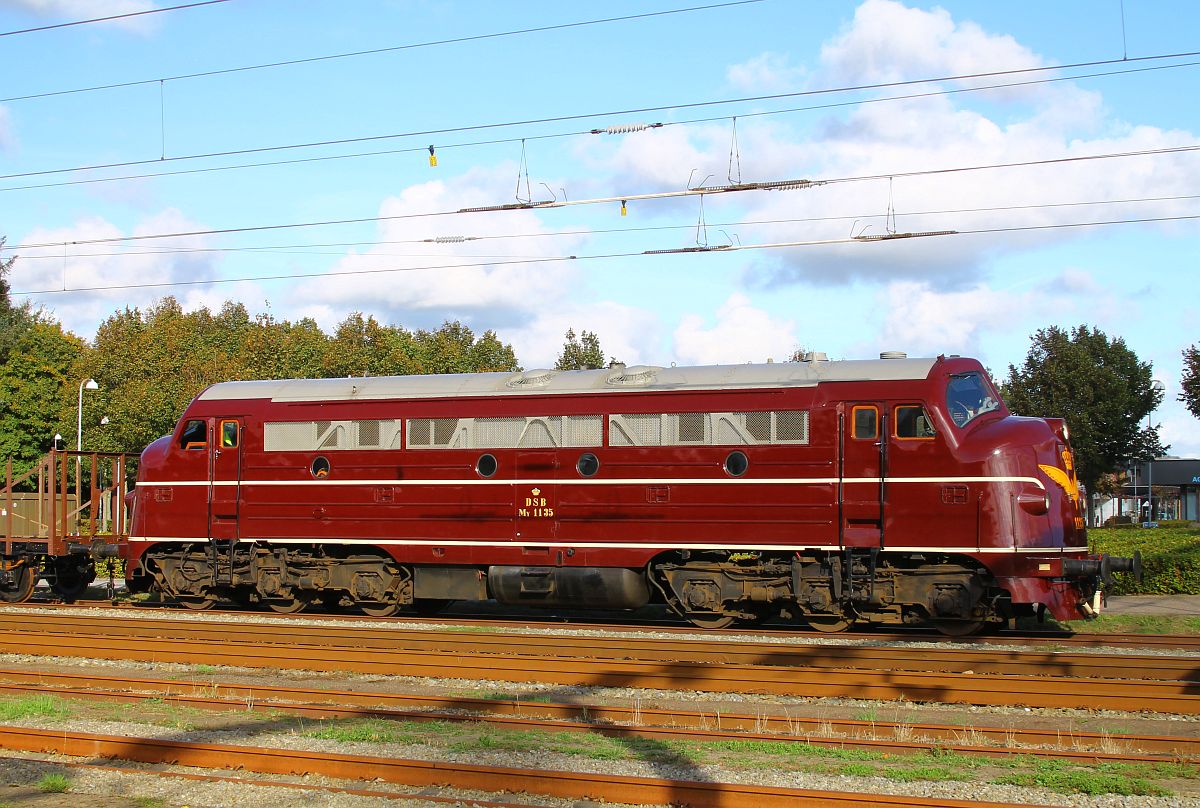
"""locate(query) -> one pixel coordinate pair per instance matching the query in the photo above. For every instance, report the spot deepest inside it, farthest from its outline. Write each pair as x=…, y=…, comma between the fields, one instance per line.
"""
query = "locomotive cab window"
x=194, y=436
x=866, y=423
x=229, y=434
x=913, y=422
x=969, y=395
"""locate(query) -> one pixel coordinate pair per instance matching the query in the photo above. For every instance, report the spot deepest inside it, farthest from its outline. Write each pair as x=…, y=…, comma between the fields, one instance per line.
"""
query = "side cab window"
x=865, y=422
x=912, y=422
x=229, y=434
x=194, y=435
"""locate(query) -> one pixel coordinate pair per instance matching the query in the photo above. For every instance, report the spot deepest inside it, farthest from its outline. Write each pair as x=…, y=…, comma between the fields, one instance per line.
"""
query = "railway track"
x=655, y=724
x=824, y=657
x=562, y=784
x=538, y=658
x=591, y=622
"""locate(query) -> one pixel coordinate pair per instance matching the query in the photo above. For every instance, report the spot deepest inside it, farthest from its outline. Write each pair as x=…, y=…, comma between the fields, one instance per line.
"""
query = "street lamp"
x=1157, y=387
x=86, y=384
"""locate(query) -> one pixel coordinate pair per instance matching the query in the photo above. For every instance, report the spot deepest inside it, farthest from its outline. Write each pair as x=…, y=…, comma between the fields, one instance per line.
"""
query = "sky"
x=96, y=185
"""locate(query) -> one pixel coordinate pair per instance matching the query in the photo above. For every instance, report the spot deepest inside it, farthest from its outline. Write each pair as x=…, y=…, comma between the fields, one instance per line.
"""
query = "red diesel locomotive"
x=892, y=491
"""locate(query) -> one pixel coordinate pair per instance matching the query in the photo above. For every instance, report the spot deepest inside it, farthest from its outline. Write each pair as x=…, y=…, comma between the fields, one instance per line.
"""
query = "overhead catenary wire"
x=636, y=127
x=112, y=17
x=353, y=54
x=783, y=184
x=302, y=248
x=610, y=113
x=641, y=254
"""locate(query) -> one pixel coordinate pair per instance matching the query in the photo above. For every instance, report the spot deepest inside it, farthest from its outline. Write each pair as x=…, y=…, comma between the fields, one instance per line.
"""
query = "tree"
x=1191, y=380
x=1099, y=387
x=13, y=319
x=581, y=353
x=38, y=368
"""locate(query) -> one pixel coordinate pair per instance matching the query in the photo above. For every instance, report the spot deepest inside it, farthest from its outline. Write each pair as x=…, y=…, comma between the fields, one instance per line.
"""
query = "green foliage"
x=37, y=389
x=39, y=706
x=151, y=364
x=1098, y=385
x=581, y=353
x=1190, y=382
x=54, y=784
x=1170, y=558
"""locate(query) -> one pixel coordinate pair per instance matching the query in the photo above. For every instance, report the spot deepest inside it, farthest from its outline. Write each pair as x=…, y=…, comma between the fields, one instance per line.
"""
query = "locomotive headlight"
x=1035, y=504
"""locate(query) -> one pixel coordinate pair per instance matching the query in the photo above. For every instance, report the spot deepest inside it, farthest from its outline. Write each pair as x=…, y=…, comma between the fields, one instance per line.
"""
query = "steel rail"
x=457, y=802
x=1055, y=639
x=678, y=732
x=493, y=779
x=888, y=685
x=817, y=656
x=782, y=722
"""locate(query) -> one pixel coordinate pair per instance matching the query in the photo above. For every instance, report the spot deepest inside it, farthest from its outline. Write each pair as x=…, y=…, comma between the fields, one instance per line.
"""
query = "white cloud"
x=741, y=333
x=888, y=41
x=72, y=10
x=627, y=334
x=435, y=281
x=135, y=265
x=766, y=73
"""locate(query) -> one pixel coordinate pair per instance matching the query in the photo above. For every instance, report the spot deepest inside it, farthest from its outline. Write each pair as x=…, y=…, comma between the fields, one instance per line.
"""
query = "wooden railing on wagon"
x=68, y=502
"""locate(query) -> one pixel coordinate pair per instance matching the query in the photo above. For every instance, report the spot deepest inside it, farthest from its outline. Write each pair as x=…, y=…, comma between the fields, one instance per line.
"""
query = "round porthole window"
x=320, y=468
x=486, y=465
x=588, y=465
x=736, y=464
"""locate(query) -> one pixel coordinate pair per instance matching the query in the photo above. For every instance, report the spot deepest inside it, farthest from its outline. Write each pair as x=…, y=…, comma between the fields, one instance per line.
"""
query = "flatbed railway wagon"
x=59, y=518
x=894, y=490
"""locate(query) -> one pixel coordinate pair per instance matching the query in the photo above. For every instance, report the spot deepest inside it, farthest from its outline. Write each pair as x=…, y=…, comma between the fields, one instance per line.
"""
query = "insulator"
x=449, y=239
x=625, y=128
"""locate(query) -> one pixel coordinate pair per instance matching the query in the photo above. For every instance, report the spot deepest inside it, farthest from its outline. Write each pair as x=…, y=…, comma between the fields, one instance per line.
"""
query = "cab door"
x=224, y=479
x=862, y=486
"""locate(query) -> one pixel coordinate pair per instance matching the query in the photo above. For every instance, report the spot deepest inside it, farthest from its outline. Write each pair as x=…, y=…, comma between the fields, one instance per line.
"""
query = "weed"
x=1083, y=781
x=39, y=706
x=148, y=802
x=908, y=774
x=203, y=669
x=378, y=730
x=54, y=784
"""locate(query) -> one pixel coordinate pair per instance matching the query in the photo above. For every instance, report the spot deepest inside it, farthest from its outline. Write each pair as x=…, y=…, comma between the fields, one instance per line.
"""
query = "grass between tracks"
x=473, y=739
x=1022, y=770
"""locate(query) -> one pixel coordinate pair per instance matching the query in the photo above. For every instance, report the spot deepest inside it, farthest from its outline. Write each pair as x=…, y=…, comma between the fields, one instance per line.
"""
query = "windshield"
x=968, y=395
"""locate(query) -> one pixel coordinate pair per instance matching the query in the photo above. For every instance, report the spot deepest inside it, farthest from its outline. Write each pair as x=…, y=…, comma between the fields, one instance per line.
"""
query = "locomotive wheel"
x=828, y=623
x=703, y=620
x=288, y=605
x=21, y=588
x=69, y=581
x=197, y=603
x=960, y=628
x=379, y=609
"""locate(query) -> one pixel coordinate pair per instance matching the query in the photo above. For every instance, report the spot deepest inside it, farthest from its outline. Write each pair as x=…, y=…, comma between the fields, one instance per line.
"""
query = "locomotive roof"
x=612, y=379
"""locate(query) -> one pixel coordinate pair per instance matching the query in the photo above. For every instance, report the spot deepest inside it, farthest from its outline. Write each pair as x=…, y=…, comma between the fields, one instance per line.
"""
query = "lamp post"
x=86, y=384
x=1157, y=387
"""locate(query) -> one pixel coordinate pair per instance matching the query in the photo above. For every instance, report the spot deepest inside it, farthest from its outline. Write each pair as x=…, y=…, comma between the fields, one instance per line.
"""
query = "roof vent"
x=539, y=377
x=893, y=355
x=633, y=375
x=816, y=356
